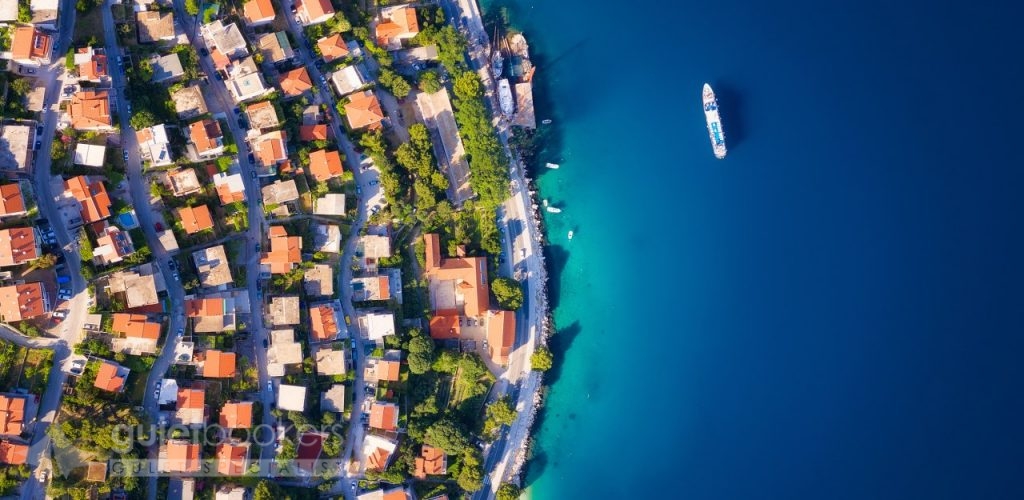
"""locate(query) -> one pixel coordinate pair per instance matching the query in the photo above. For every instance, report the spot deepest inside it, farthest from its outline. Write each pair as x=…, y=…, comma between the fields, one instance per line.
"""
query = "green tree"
x=267, y=490
x=45, y=261
x=447, y=435
x=142, y=118
x=84, y=246
x=508, y=292
x=429, y=81
x=471, y=474
x=191, y=7
x=508, y=491
x=419, y=362
x=467, y=85
x=541, y=360
x=21, y=86
x=499, y=413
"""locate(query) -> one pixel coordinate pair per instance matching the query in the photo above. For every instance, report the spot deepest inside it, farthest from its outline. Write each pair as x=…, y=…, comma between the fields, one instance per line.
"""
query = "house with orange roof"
x=18, y=245
x=371, y=288
x=384, y=416
x=431, y=462
x=230, y=187
x=12, y=203
x=135, y=334
x=90, y=110
x=285, y=252
x=381, y=370
x=30, y=46
x=445, y=325
x=112, y=245
x=398, y=493
x=318, y=132
x=195, y=219
x=111, y=377
x=92, y=197
x=211, y=314
x=501, y=335
x=363, y=110
x=12, y=453
x=191, y=406
x=324, y=165
x=24, y=301
x=313, y=11
x=333, y=47
x=12, y=414
x=311, y=444
x=232, y=458
x=206, y=138
x=91, y=64
x=456, y=283
x=295, y=82
x=397, y=23
x=258, y=12
x=178, y=455
x=217, y=364
x=270, y=149
x=323, y=322
x=236, y=415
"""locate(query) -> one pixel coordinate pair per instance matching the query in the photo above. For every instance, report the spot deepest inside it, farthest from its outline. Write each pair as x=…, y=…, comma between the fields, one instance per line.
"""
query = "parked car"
x=77, y=367
x=374, y=182
x=126, y=151
x=254, y=174
x=174, y=274
x=181, y=332
x=359, y=190
x=171, y=265
x=252, y=159
x=64, y=295
x=63, y=313
x=39, y=144
x=128, y=107
x=203, y=52
x=244, y=125
x=216, y=74
x=159, y=227
x=265, y=343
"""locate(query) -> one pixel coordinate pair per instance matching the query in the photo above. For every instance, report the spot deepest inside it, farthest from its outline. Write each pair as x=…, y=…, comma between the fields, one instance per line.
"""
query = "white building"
x=291, y=397
x=90, y=155
x=378, y=325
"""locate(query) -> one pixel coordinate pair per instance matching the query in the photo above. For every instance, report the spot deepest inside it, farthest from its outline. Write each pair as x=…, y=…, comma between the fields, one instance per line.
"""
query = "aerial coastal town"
x=256, y=249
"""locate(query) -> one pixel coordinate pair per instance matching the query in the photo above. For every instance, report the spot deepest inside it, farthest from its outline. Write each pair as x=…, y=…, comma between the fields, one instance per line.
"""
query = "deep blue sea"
x=834, y=311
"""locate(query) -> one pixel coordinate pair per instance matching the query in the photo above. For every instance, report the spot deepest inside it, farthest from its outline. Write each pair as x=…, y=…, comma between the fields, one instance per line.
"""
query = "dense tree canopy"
x=508, y=491
x=541, y=360
x=448, y=435
x=508, y=292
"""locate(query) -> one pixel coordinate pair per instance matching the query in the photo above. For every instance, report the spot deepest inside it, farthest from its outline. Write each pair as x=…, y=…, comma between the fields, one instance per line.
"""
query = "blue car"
x=126, y=155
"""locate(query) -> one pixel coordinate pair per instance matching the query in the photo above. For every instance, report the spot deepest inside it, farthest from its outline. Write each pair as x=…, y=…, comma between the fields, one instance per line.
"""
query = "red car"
x=158, y=226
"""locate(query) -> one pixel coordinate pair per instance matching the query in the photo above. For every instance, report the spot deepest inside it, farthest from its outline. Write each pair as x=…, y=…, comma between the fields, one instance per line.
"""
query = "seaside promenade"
x=504, y=458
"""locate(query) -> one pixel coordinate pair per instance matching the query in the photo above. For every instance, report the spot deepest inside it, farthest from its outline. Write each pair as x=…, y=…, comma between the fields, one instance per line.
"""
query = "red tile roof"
x=90, y=109
x=19, y=302
x=232, y=458
x=324, y=164
x=469, y=274
x=363, y=110
x=205, y=135
x=200, y=308
x=17, y=246
x=195, y=219
x=384, y=416
x=445, y=325
x=30, y=43
x=501, y=335
x=236, y=415
x=11, y=200
x=92, y=195
x=256, y=11
x=318, y=132
x=218, y=364
x=401, y=22
x=181, y=457
x=431, y=462
x=13, y=453
x=108, y=379
x=285, y=251
x=295, y=82
x=323, y=324
x=332, y=47
x=12, y=415
x=135, y=326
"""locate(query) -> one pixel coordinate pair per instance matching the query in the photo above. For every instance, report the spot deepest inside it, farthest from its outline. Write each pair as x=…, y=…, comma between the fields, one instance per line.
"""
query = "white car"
x=64, y=295
x=77, y=367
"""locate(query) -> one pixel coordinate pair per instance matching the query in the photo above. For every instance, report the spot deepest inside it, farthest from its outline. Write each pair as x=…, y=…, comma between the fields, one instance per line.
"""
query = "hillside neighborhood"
x=256, y=249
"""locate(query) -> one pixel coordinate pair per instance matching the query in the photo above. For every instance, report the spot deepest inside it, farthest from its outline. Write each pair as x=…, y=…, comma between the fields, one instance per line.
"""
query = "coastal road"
x=504, y=457
x=220, y=102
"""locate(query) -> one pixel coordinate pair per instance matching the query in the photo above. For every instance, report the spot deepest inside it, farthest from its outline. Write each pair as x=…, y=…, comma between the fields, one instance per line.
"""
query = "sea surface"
x=834, y=311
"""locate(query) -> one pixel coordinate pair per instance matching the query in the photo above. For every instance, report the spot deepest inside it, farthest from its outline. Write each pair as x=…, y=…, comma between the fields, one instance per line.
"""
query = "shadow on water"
x=556, y=258
x=559, y=344
x=730, y=101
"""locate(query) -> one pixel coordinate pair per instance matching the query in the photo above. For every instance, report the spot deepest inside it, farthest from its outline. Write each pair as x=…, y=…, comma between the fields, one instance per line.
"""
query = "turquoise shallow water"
x=834, y=311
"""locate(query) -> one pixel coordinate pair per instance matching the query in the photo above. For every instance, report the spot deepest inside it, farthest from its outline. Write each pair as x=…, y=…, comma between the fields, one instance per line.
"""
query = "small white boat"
x=554, y=210
x=546, y=121
x=545, y=201
x=570, y=235
x=553, y=166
